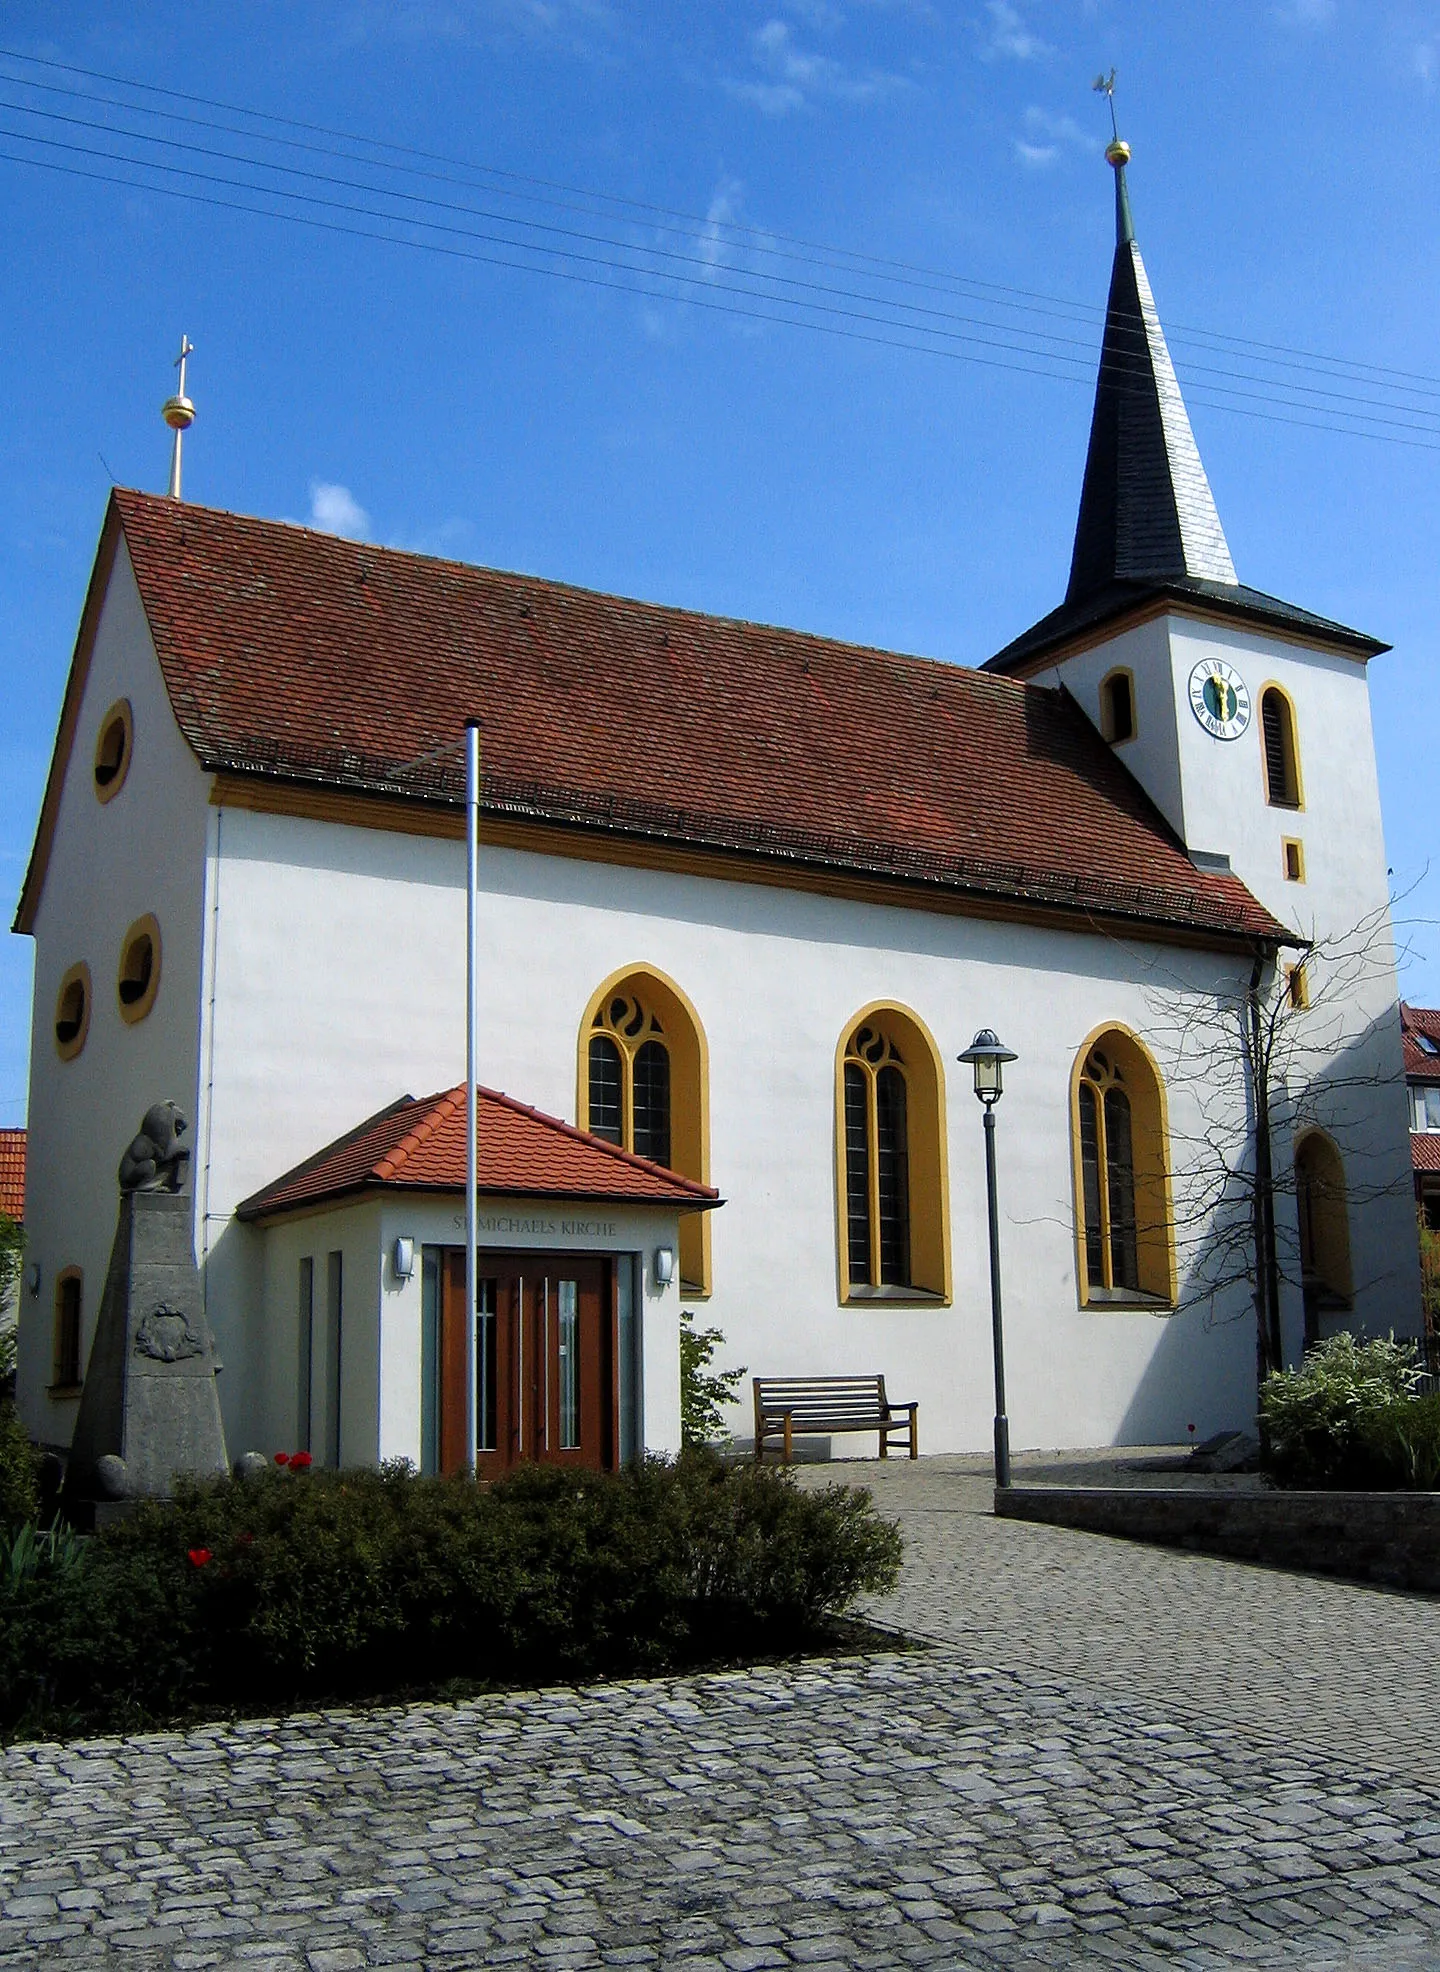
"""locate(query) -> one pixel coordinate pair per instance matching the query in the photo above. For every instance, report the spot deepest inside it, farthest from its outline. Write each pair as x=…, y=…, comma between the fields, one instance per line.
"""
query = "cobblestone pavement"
x=1297, y=1659
x=1024, y=1794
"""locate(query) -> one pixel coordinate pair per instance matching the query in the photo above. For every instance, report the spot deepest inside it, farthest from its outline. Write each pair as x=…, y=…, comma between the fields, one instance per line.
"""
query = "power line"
x=800, y=306
x=763, y=239
x=654, y=293
x=1371, y=411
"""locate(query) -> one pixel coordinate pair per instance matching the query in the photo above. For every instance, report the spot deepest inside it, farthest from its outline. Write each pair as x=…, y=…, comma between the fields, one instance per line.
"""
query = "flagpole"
x=472, y=1051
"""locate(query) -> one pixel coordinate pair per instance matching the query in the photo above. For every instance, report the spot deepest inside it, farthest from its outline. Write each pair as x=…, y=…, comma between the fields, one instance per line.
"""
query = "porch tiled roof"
x=1425, y=1150
x=12, y=1174
x=521, y=1153
x=293, y=656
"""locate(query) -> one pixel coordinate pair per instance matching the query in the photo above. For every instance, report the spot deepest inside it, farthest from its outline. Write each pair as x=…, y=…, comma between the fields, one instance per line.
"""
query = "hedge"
x=295, y=1587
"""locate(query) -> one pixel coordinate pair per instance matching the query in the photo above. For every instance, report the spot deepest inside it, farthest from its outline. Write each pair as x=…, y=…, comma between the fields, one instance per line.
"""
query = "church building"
x=745, y=896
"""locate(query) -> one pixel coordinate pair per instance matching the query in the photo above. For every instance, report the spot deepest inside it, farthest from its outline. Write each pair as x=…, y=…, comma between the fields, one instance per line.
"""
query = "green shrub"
x=704, y=1393
x=1344, y=1416
x=333, y=1585
x=19, y=1472
x=1401, y=1445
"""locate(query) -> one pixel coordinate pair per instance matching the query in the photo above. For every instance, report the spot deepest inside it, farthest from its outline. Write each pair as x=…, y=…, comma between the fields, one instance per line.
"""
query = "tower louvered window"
x=1282, y=769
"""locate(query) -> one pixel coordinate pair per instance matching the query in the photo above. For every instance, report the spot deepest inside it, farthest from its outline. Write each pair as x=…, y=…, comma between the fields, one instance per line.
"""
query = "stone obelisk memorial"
x=150, y=1411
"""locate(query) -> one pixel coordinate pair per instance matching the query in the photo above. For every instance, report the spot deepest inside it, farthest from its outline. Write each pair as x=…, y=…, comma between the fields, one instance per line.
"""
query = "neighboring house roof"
x=625, y=728
x=1425, y=1150
x=1148, y=531
x=12, y=1174
x=420, y=1145
x=1417, y=1026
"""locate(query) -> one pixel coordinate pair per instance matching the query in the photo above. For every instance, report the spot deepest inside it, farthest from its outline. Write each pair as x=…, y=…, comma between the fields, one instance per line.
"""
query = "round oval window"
x=72, y=1012
x=113, y=750
x=139, y=978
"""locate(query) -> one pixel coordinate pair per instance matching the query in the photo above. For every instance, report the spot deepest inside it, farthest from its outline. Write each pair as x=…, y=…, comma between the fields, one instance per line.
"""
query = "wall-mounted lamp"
x=402, y=1258
x=32, y=1277
x=664, y=1265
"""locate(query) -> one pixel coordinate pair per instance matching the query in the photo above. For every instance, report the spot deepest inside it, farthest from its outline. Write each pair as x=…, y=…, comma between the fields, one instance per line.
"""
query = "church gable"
x=297, y=660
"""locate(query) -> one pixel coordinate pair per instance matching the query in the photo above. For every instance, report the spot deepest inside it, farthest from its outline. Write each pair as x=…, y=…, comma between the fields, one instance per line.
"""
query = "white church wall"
x=1347, y=1047
x=1152, y=756
x=270, y=1413
x=338, y=985
x=1348, y=1043
x=110, y=863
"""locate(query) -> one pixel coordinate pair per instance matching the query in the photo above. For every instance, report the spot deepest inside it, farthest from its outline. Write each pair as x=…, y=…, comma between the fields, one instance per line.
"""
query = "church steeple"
x=1146, y=510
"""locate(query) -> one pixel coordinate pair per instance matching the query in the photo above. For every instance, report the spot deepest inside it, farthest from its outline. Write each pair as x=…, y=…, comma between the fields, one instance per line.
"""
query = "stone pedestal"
x=149, y=1410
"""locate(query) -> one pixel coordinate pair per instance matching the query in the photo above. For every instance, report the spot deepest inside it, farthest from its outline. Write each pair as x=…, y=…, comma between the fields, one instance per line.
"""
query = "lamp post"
x=988, y=1058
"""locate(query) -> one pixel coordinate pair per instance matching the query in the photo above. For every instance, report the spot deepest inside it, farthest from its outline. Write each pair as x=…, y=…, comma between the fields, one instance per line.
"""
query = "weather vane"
x=1117, y=150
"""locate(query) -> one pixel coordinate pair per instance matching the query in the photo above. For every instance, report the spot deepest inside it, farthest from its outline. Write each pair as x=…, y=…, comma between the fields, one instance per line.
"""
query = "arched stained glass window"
x=1121, y=1173
x=630, y=1078
x=643, y=1080
x=877, y=1161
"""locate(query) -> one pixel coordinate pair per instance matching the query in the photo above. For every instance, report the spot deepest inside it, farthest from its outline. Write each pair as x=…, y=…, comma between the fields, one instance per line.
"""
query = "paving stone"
x=1109, y=1756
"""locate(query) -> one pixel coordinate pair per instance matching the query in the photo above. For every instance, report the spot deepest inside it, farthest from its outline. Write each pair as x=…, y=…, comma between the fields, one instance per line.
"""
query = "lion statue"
x=154, y=1160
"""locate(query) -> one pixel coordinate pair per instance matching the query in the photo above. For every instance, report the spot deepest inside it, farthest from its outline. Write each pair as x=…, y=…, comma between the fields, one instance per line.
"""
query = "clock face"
x=1219, y=699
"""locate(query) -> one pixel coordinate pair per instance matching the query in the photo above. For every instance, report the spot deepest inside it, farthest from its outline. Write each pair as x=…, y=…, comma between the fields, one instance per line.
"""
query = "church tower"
x=1247, y=721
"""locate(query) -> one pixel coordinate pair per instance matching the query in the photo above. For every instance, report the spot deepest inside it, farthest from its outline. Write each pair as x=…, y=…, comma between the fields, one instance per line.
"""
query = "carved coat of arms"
x=166, y=1336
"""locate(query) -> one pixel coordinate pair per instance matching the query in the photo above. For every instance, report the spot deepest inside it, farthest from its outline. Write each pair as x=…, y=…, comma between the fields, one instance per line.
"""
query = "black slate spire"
x=1146, y=510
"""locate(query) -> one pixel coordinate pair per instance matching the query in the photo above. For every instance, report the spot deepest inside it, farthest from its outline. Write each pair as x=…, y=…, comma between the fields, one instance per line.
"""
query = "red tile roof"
x=1419, y=1062
x=522, y=1153
x=298, y=656
x=1425, y=1150
x=12, y=1174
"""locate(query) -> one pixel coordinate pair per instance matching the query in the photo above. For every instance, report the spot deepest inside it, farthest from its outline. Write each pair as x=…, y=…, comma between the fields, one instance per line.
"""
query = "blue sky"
x=1285, y=191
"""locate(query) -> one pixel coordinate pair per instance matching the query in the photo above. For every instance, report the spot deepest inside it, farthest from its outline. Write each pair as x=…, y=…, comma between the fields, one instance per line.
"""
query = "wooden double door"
x=545, y=1354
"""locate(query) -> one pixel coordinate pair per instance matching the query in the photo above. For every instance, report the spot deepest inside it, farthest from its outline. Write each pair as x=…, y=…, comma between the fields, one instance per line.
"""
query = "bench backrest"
x=818, y=1399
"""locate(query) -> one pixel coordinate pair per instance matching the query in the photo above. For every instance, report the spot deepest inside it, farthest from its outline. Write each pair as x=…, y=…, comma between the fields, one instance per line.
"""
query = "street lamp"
x=988, y=1058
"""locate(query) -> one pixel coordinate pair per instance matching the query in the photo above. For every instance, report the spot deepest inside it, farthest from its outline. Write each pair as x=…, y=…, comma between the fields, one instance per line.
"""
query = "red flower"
x=199, y=1556
x=282, y=1458
x=300, y=1460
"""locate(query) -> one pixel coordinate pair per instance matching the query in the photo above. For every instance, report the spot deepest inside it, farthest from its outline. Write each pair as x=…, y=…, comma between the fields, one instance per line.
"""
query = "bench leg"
x=788, y=1441
x=884, y=1441
x=915, y=1434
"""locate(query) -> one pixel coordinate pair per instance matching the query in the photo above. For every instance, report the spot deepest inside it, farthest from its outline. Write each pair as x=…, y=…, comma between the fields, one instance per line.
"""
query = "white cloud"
x=1306, y=13
x=1423, y=62
x=722, y=212
x=793, y=76
x=1005, y=35
x=335, y=510
x=1047, y=135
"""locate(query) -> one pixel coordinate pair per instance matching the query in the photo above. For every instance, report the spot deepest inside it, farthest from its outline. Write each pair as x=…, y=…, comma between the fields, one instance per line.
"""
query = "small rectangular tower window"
x=67, y=1330
x=1297, y=986
x=1117, y=707
x=1294, y=860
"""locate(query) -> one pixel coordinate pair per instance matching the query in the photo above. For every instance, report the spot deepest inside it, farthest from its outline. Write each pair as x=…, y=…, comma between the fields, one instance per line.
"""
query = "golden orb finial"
x=1117, y=152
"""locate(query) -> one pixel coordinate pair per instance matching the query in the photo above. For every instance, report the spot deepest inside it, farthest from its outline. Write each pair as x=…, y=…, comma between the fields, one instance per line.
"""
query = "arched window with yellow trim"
x=890, y=1159
x=643, y=1084
x=1122, y=1179
x=1324, y=1230
x=1281, y=749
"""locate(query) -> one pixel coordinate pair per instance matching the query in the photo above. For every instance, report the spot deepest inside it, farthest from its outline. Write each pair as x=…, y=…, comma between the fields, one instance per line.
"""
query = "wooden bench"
x=787, y=1405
